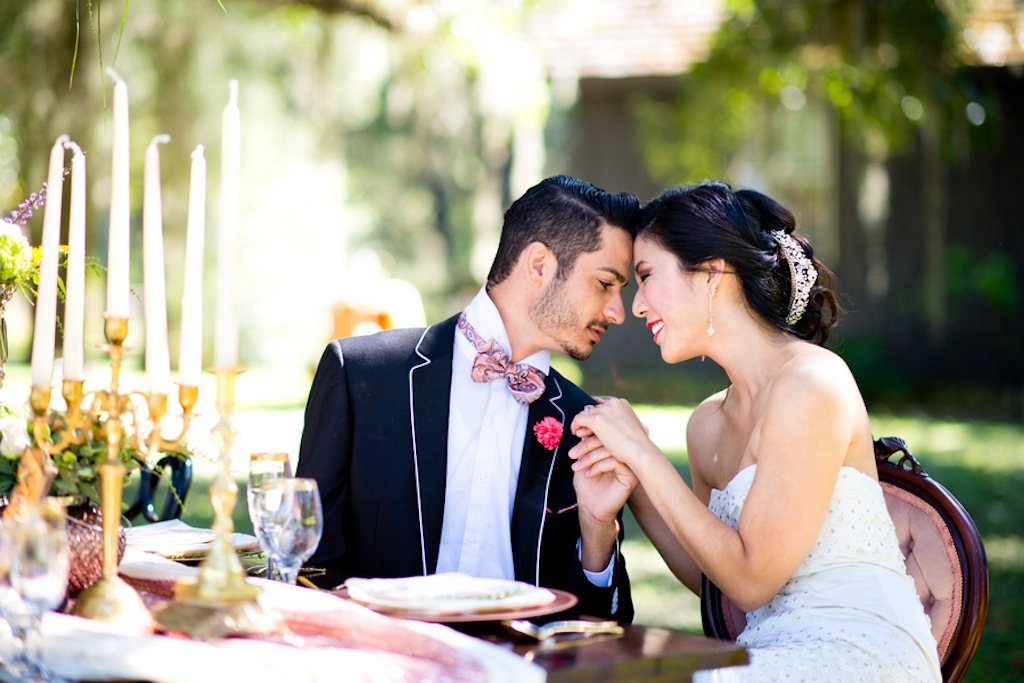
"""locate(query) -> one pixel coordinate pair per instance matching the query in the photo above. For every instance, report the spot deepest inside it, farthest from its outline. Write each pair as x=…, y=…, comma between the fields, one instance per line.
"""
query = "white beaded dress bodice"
x=856, y=527
x=850, y=612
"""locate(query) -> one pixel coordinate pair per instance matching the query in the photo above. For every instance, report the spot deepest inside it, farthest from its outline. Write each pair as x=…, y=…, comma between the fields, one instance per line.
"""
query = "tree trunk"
x=933, y=211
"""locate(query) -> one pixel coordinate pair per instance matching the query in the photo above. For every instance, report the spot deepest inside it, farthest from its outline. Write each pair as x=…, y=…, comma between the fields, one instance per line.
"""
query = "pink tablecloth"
x=329, y=639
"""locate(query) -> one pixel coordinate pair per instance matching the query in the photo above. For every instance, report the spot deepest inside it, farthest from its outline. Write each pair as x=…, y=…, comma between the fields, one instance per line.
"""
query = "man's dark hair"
x=565, y=214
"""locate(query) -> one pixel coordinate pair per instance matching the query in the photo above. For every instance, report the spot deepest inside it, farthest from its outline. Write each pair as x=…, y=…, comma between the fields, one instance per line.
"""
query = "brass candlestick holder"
x=220, y=601
x=111, y=599
x=221, y=576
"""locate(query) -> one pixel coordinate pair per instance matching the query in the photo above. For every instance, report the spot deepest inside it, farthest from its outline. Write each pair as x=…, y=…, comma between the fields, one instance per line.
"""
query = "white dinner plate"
x=449, y=594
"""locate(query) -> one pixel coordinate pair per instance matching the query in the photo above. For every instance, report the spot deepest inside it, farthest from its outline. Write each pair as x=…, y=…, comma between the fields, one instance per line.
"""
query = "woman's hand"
x=611, y=435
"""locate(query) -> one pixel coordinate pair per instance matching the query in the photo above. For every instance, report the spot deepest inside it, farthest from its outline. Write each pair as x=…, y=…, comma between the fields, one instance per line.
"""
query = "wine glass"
x=263, y=469
x=39, y=574
x=12, y=610
x=291, y=522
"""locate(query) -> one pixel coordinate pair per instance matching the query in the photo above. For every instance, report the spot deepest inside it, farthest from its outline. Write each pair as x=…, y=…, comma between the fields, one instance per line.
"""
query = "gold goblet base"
x=113, y=601
x=207, y=618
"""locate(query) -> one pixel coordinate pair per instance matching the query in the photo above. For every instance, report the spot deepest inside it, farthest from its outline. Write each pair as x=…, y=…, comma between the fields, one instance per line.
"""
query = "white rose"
x=14, y=438
x=8, y=228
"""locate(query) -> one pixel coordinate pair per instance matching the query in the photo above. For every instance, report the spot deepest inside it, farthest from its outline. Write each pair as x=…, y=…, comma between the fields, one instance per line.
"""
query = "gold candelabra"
x=220, y=601
x=111, y=599
x=222, y=580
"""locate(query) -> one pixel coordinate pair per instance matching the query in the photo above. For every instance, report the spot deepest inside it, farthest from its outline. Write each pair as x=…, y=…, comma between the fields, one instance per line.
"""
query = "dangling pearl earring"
x=711, y=313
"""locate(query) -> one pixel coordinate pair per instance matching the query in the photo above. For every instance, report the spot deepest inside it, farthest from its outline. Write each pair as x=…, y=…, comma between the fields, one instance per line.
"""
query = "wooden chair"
x=179, y=473
x=943, y=552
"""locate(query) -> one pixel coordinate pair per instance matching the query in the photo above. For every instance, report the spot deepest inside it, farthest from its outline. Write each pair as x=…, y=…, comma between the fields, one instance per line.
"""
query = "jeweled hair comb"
x=802, y=274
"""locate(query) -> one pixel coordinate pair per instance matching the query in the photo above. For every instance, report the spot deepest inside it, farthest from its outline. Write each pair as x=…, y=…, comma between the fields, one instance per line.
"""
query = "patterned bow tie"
x=525, y=382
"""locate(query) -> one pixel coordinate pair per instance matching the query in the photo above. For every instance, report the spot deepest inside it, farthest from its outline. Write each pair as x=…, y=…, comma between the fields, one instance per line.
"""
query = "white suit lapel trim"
x=415, y=453
x=547, y=486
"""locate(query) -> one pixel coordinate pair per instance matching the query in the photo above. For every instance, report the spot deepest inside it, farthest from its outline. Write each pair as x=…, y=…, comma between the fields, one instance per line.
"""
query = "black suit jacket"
x=375, y=439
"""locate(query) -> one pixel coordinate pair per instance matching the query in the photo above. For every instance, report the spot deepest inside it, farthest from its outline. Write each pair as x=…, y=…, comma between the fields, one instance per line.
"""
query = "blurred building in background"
x=926, y=239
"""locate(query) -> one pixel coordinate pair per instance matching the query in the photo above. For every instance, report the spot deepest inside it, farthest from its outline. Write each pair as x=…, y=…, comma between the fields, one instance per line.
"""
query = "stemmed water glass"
x=290, y=522
x=12, y=611
x=39, y=575
x=263, y=469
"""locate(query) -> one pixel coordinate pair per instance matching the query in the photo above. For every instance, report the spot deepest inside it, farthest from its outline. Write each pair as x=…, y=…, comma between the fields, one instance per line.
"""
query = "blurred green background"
x=383, y=139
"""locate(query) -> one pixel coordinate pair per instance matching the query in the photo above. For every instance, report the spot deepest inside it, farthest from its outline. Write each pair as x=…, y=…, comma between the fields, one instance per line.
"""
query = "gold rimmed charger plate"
x=563, y=600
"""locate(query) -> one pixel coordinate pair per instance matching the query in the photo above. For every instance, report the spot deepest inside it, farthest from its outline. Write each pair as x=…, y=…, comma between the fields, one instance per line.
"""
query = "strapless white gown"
x=850, y=612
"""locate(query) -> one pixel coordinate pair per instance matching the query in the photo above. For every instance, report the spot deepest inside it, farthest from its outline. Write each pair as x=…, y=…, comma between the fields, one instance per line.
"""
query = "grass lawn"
x=980, y=463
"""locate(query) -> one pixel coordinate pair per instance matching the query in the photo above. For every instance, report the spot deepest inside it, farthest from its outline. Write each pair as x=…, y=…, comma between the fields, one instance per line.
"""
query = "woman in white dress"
x=786, y=515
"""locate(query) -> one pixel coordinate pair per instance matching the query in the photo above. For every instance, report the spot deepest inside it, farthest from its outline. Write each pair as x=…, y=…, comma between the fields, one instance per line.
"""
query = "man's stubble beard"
x=554, y=315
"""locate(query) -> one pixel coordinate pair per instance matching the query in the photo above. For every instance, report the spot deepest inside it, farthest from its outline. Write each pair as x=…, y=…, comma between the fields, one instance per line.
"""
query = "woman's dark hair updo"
x=708, y=221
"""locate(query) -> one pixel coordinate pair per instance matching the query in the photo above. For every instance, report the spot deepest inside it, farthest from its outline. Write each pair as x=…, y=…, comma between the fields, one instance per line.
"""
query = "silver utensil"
x=577, y=627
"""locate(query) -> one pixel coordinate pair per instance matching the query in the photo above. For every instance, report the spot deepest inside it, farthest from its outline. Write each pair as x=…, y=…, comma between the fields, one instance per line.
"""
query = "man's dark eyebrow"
x=619, y=277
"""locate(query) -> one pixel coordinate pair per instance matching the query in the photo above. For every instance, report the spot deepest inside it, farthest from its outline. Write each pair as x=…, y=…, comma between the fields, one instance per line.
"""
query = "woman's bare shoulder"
x=814, y=389
x=705, y=423
x=816, y=374
x=708, y=409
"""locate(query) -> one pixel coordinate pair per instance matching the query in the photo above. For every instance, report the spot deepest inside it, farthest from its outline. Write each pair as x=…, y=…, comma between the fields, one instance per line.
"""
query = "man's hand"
x=601, y=496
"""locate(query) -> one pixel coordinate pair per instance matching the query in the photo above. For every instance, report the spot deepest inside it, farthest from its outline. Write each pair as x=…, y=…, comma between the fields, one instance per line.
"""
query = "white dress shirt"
x=486, y=432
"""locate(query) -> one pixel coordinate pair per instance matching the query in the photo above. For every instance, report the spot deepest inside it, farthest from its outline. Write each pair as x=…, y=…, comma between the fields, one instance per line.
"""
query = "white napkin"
x=138, y=564
x=174, y=538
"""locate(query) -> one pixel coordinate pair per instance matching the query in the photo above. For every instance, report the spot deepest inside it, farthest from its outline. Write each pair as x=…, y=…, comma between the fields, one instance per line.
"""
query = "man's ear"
x=540, y=263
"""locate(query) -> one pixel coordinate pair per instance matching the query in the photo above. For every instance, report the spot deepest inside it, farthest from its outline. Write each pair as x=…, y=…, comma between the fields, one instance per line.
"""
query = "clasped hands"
x=612, y=442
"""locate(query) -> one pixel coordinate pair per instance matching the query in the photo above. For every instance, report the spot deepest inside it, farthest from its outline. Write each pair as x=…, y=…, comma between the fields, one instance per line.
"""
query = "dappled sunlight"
x=667, y=426
x=1005, y=553
x=988, y=446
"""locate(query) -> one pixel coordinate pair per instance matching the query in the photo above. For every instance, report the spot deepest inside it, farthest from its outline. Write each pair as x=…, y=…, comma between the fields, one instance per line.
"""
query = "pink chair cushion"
x=931, y=559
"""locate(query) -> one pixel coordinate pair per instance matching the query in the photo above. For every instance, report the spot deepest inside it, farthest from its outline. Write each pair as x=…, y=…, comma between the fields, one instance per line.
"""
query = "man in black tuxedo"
x=424, y=441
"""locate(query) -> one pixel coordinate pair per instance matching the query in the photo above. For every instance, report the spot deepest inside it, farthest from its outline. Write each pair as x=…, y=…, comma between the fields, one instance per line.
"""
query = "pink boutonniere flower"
x=548, y=432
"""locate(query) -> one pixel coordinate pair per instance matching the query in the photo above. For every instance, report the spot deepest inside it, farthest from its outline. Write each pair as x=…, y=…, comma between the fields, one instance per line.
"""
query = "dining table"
x=641, y=653
x=324, y=636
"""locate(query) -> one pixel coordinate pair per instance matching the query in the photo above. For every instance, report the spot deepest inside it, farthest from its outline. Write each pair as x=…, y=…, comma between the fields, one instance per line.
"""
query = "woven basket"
x=85, y=546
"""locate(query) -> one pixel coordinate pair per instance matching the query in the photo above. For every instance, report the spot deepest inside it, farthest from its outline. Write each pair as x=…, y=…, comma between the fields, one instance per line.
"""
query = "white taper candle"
x=118, y=263
x=44, y=333
x=74, y=303
x=190, y=351
x=226, y=337
x=158, y=362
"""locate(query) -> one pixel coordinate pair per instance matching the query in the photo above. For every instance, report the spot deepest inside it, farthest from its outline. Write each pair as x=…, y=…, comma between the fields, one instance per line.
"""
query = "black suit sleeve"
x=325, y=454
x=613, y=602
x=562, y=568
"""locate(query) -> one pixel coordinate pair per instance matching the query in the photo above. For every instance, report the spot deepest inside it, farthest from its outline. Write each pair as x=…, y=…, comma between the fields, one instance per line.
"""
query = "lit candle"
x=46, y=295
x=120, y=206
x=190, y=350
x=226, y=337
x=74, y=303
x=158, y=363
